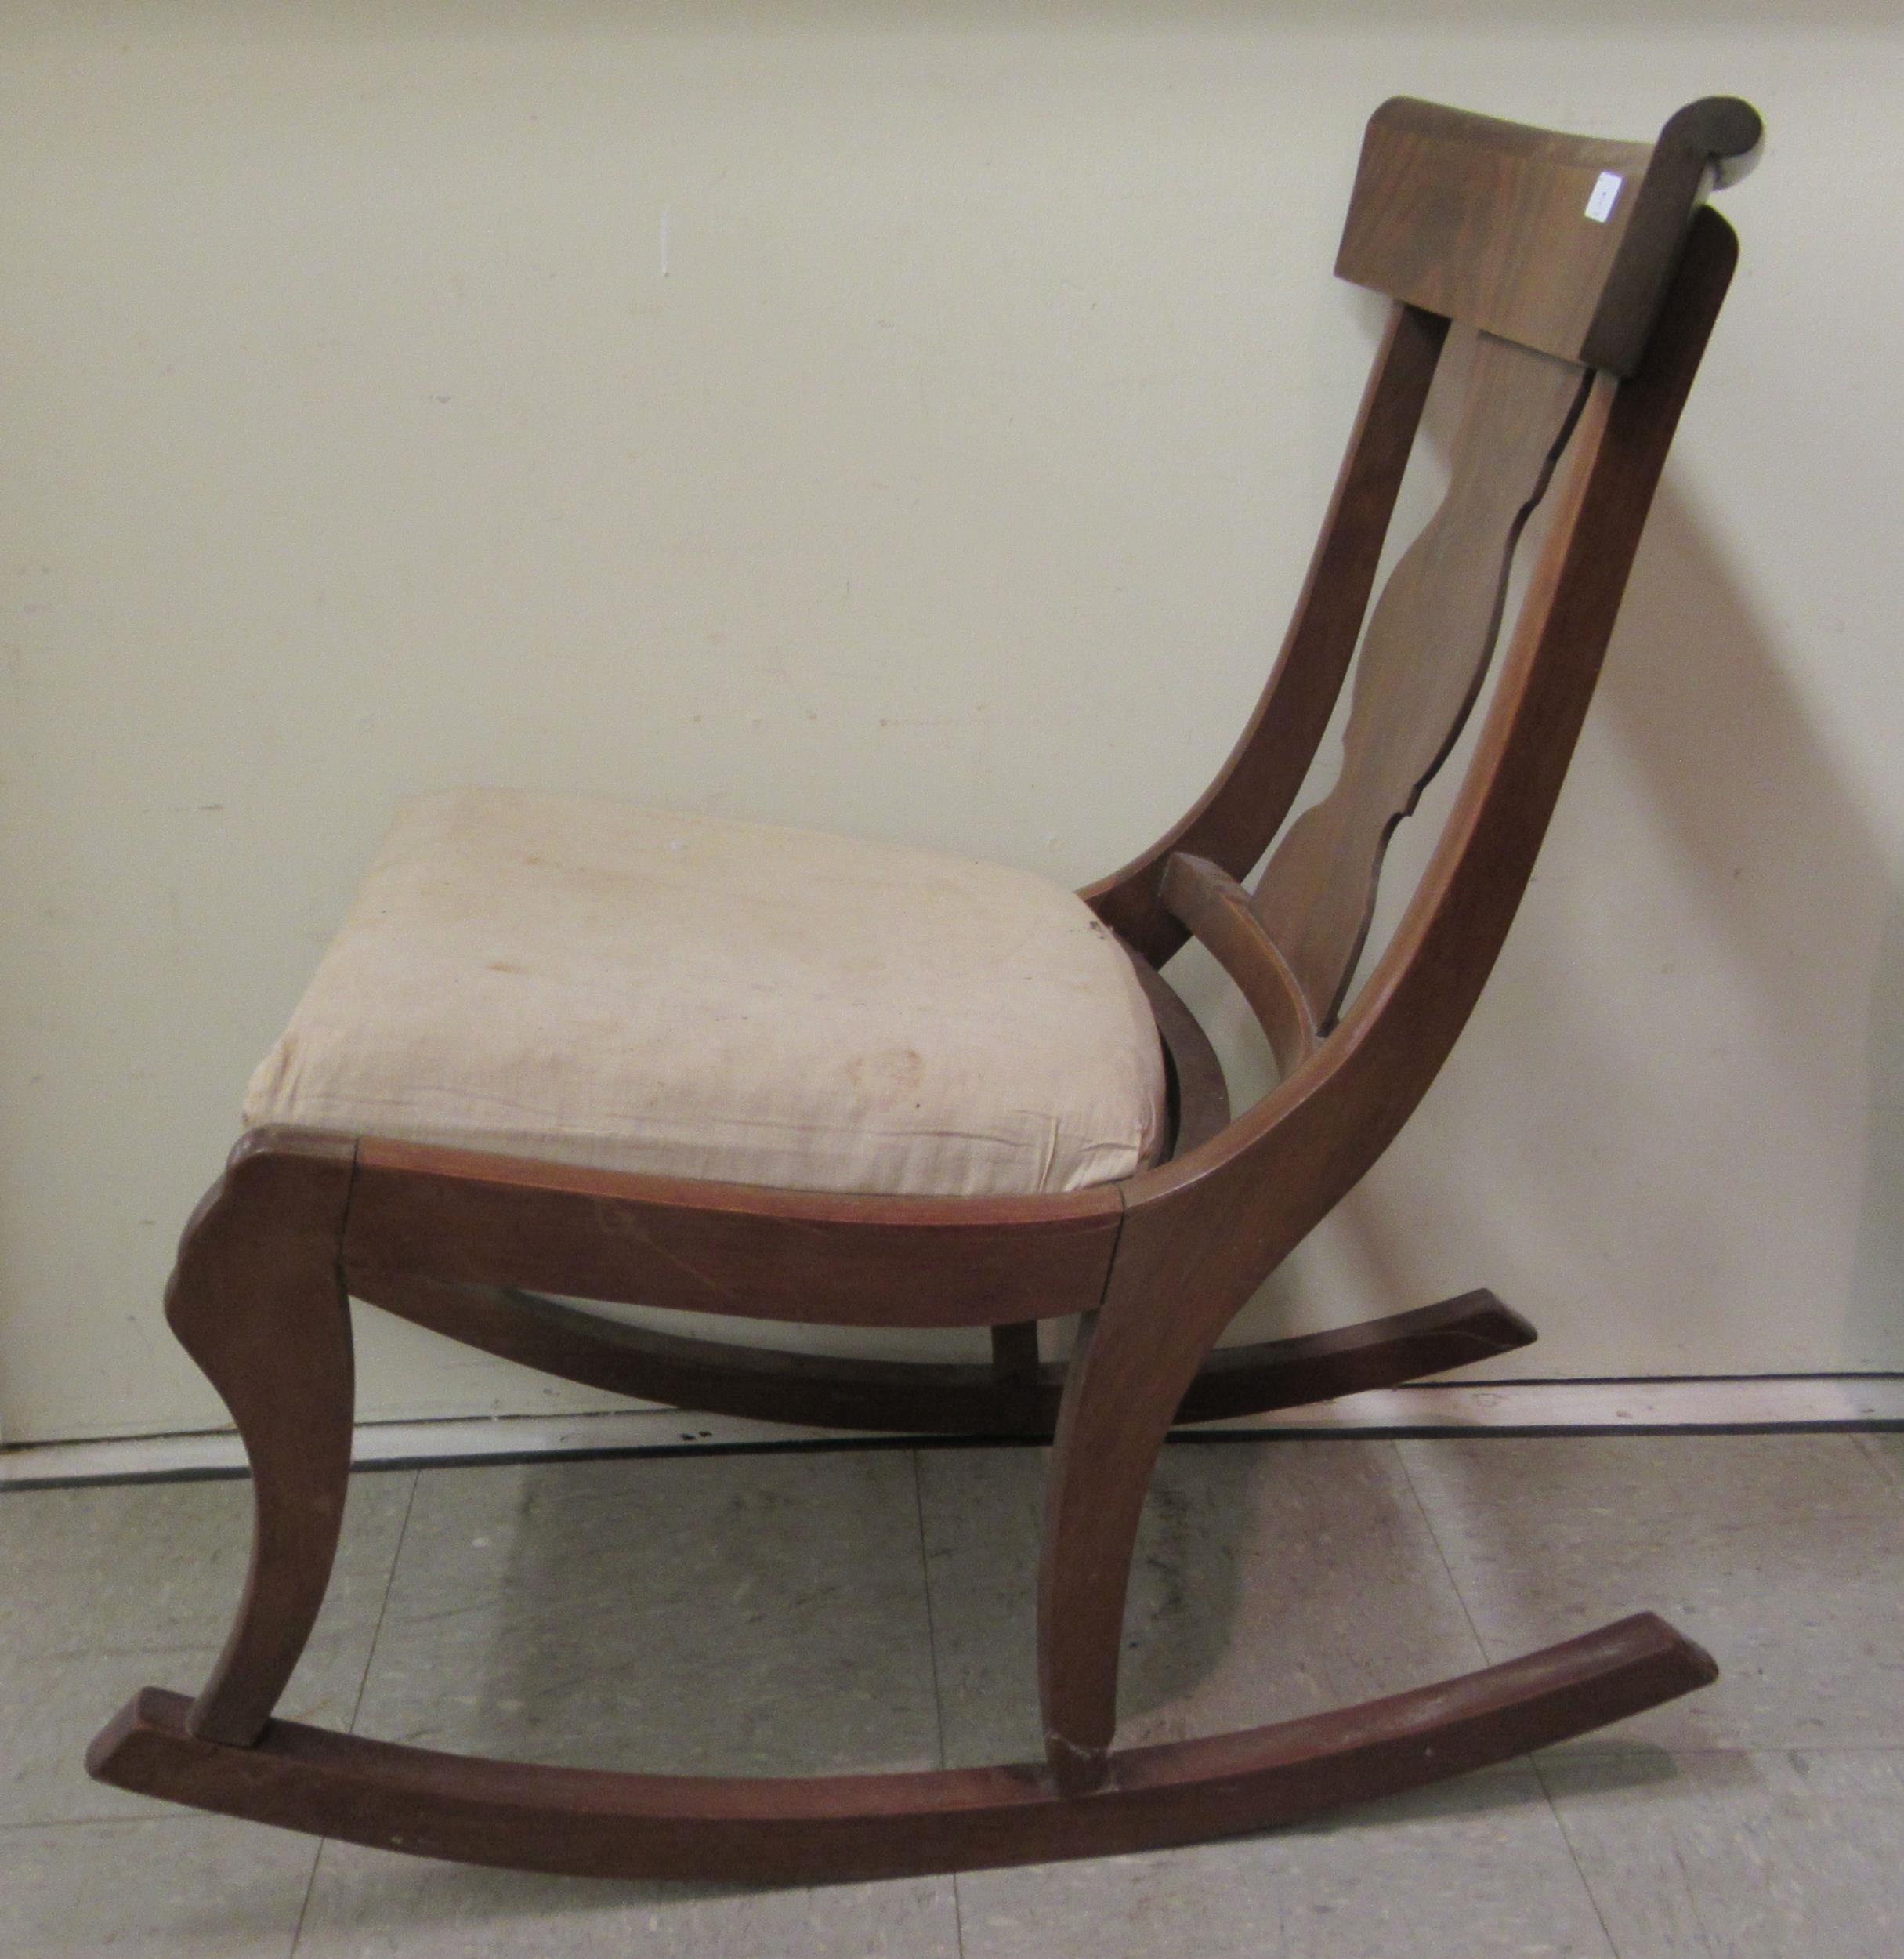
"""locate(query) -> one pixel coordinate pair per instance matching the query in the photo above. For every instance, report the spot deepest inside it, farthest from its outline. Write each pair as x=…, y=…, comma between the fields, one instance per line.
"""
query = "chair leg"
x=257, y=1299
x=1128, y=1372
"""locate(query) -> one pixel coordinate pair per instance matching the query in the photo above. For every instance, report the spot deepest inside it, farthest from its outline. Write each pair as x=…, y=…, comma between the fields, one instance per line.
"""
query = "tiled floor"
x=775, y=1613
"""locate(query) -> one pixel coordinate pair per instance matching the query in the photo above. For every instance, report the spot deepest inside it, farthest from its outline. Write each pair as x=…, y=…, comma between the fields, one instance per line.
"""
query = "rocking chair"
x=567, y=1049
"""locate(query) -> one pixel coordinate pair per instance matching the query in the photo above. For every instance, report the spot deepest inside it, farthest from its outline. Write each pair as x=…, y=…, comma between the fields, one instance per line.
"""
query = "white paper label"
x=1605, y=195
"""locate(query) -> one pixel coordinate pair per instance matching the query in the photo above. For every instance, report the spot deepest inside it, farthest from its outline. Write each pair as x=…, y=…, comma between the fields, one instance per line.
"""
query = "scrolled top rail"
x=1562, y=243
x=1708, y=144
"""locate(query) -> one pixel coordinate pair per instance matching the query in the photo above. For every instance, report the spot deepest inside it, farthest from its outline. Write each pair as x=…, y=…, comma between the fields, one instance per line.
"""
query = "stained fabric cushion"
x=589, y=982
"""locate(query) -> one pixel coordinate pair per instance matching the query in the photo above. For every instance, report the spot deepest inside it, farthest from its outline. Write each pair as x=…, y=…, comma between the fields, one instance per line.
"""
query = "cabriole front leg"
x=257, y=1299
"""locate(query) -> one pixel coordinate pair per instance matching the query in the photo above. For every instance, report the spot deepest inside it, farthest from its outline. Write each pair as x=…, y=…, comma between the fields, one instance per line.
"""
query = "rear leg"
x=1135, y=1363
x=1128, y=1372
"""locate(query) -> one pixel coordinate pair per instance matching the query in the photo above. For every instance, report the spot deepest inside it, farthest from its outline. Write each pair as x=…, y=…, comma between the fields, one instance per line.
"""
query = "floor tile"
x=148, y=1565
x=1887, y=1450
x=1780, y=1553
x=747, y=1614
x=1476, y=1867
x=107, y=1588
x=1722, y=1855
x=771, y=1614
x=369, y=1905
x=1271, y=1579
x=194, y=1886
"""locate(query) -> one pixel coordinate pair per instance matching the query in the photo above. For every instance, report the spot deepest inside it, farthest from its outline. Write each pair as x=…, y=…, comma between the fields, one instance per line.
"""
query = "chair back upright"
x=1546, y=260
x=1551, y=254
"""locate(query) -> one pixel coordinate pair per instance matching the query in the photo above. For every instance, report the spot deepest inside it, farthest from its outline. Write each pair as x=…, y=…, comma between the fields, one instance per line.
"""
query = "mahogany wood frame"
x=1584, y=337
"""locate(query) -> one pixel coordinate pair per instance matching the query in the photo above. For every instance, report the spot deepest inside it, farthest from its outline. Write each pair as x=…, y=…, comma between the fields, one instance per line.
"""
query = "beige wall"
x=911, y=420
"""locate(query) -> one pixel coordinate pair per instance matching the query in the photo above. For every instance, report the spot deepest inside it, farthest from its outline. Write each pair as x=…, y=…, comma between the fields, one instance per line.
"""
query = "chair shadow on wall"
x=1785, y=859
x=1790, y=880
x=1794, y=881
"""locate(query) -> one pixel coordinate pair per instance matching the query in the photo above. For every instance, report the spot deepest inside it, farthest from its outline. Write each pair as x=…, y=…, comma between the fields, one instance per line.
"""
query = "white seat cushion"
x=591, y=983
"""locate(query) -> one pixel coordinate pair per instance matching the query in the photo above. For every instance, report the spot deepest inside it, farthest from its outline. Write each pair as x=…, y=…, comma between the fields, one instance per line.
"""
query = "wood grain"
x=1705, y=145
x=726, y=1249
x=1426, y=649
x=257, y=1299
x=1217, y=910
x=826, y=1829
x=1490, y=223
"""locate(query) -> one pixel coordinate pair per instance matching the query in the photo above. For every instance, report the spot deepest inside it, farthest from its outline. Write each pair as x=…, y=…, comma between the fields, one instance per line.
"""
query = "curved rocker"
x=818, y=1829
x=927, y=1398
x=1581, y=335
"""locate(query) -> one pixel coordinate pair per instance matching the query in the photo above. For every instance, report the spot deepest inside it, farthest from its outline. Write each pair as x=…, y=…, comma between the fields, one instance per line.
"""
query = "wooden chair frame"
x=1594, y=328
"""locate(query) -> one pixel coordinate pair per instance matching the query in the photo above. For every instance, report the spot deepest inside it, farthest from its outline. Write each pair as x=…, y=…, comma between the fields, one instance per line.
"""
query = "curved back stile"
x=1205, y=1229
x=1563, y=245
x=1588, y=332
x=1590, y=301
x=1278, y=1169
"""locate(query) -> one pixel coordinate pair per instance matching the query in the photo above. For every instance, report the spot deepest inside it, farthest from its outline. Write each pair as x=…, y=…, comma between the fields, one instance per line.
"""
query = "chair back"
x=1550, y=260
